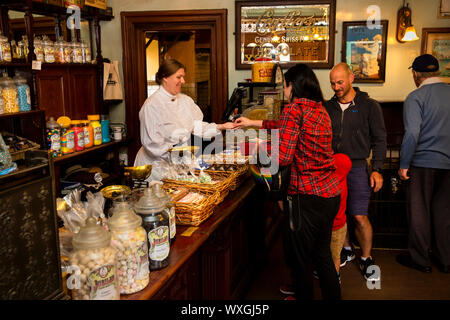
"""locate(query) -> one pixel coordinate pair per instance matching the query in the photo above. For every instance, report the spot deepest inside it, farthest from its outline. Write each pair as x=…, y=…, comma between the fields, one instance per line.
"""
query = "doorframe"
x=134, y=23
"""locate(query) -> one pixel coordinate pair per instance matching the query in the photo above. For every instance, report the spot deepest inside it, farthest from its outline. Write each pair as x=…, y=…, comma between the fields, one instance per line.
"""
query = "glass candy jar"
x=95, y=262
x=49, y=50
x=156, y=223
x=77, y=56
x=5, y=49
x=67, y=52
x=9, y=94
x=59, y=50
x=130, y=240
x=164, y=197
x=38, y=49
x=23, y=93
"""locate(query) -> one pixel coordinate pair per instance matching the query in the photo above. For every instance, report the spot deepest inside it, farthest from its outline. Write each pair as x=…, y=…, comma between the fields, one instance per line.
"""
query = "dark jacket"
x=358, y=130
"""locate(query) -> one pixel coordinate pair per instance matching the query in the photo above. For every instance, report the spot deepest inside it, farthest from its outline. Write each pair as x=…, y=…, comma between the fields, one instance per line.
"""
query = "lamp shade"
x=410, y=34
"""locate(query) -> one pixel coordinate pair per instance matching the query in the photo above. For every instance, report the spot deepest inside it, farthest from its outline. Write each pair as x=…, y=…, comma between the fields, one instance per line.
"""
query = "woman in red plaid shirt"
x=305, y=144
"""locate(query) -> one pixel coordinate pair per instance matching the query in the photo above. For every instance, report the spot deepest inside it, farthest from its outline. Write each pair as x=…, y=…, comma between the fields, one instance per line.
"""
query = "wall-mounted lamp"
x=405, y=30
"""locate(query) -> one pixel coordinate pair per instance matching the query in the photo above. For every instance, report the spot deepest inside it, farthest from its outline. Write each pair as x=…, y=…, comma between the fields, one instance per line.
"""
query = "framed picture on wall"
x=436, y=41
x=364, y=49
x=285, y=32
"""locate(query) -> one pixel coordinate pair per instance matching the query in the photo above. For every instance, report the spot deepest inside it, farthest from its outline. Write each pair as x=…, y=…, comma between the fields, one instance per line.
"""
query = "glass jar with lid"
x=49, y=50
x=67, y=52
x=77, y=56
x=2, y=108
x=59, y=50
x=170, y=208
x=38, y=49
x=130, y=240
x=5, y=49
x=156, y=223
x=24, y=44
x=23, y=93
x=10, y=97
x=95, y=262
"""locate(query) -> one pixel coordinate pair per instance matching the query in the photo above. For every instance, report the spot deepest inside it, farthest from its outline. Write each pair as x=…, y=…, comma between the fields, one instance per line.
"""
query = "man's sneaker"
x=287, y=289
x=316, y=275
x=368, y=275
x=346, y=256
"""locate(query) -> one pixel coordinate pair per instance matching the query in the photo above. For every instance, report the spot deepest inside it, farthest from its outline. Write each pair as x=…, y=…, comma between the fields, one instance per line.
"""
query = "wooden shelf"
x=46, y=9
x=21, y=114
x=86, y=151
x=23, y=64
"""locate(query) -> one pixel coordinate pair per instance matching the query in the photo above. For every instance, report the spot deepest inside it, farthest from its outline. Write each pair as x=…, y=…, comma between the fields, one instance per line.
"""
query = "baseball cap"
x=425, y=63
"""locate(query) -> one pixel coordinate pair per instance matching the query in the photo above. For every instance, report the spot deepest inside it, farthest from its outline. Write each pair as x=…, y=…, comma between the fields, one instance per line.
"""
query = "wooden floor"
x=397, y=282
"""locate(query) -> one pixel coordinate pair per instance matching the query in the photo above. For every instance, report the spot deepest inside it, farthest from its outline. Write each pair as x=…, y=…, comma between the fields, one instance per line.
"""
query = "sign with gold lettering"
x=287, y=32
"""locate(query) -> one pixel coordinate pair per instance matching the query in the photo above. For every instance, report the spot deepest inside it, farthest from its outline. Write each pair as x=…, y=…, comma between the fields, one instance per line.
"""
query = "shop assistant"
x=169, y=117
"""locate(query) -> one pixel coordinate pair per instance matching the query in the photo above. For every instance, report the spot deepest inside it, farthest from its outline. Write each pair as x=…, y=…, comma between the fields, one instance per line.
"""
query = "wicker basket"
x=224, y=181
x=194, y=214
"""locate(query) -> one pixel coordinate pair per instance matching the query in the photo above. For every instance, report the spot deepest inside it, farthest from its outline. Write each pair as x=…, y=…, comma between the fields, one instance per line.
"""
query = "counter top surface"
x=184, y=247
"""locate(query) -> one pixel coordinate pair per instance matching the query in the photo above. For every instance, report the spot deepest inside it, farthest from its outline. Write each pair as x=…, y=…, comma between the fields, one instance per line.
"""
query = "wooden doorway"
x=135, y=25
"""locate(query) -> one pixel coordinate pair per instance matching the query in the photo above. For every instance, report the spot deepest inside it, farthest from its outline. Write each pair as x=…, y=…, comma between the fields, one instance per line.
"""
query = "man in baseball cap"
x=425, y=161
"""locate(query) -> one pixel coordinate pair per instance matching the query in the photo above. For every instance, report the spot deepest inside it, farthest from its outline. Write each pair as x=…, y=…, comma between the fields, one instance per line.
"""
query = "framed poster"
x=436, y=41
x=286, y=32
x=364, y=49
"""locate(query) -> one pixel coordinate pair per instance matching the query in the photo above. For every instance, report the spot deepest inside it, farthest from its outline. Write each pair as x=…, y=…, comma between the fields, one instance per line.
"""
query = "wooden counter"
x=217, y=260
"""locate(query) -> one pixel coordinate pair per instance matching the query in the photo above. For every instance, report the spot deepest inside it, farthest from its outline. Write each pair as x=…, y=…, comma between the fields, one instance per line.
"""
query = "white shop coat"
x=166, y=121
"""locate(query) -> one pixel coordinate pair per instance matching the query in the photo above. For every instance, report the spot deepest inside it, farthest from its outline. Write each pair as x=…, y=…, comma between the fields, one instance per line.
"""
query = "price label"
x=36, y=65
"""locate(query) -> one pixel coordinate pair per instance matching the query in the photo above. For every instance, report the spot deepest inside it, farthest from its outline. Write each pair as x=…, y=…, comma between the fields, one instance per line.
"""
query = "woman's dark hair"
x=304, y=83
x=168, y=68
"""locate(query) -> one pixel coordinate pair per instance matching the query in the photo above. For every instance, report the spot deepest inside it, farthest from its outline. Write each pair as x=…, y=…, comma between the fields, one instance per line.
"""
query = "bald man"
x=358, y=129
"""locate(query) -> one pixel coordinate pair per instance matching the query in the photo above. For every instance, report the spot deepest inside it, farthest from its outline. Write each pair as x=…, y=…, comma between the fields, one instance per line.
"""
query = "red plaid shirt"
x=308, y=146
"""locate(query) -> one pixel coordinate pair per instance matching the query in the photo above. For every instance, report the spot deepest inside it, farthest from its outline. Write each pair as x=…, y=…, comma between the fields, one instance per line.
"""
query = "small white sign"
x=36, y=65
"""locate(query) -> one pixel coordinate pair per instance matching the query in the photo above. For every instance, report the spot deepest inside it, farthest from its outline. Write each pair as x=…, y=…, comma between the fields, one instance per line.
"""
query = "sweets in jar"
x=130, y=240
x=95, y=264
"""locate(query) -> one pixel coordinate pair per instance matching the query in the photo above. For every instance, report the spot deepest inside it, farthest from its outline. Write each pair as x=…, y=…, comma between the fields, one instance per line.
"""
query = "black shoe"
x=406, y=260
x=346, y=256
x=445, y=269
x=368, y=274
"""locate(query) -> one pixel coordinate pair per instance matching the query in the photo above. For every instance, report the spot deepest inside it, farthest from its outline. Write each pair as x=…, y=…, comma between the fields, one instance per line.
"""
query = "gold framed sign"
x=286, y=32
x=436, y=41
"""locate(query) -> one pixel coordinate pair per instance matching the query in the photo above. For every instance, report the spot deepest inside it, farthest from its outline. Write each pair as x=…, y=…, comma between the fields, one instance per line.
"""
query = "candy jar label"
x=103, y=283
x=159, y=243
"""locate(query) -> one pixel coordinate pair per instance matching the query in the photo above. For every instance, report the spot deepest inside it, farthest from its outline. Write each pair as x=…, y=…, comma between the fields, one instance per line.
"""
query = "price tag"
x=189, y=231
x=36, y=65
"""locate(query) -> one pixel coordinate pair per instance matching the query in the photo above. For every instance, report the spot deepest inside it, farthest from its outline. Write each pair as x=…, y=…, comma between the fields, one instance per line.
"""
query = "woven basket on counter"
x=194, y=214
x=224, y=181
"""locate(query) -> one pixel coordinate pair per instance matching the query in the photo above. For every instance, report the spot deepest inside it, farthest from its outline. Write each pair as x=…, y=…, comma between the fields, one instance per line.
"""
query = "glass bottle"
x=170, y=208
x=10, y=97
x=95, y=262
x=5, y=49
x=156, y=223
x=130, y=240
x=23, y=93
x=53, y=137
x=38, y=49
